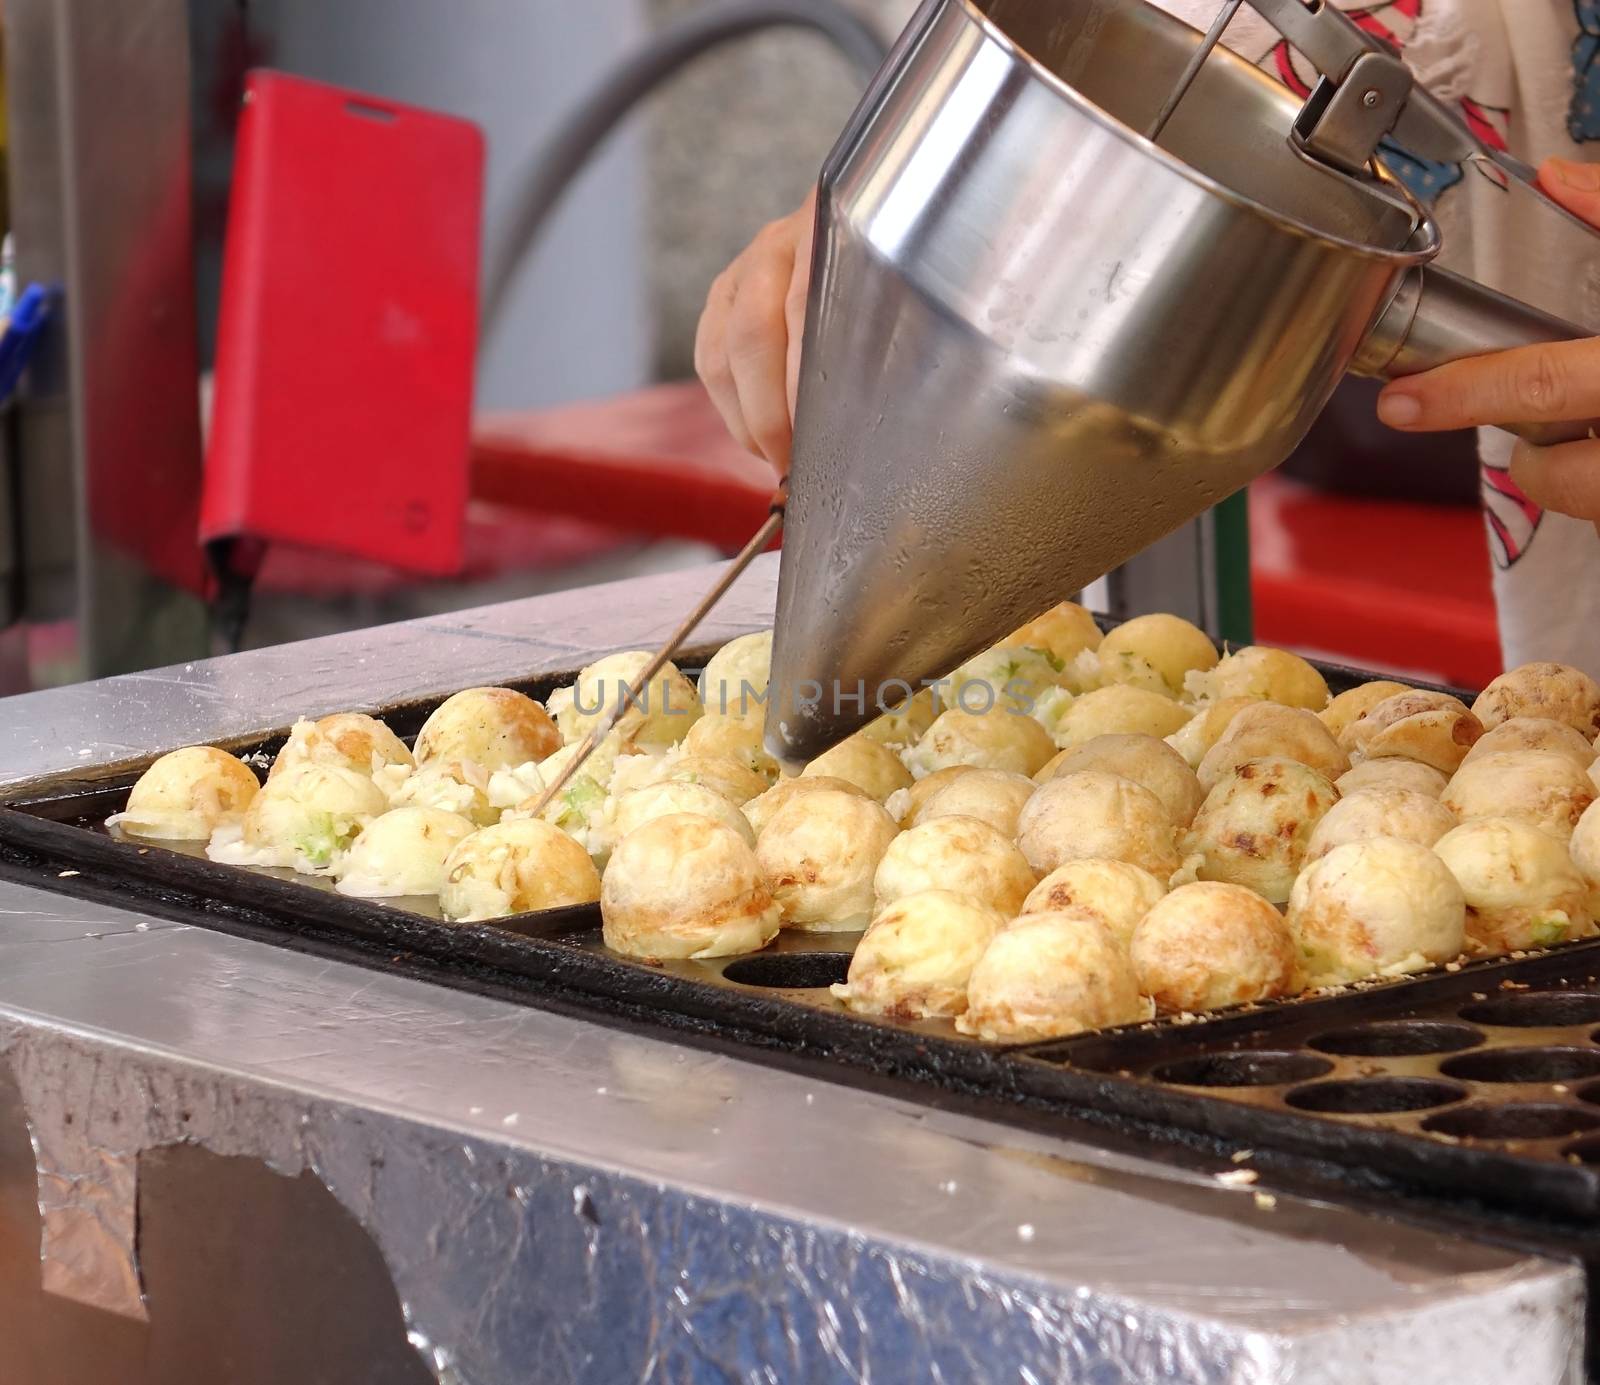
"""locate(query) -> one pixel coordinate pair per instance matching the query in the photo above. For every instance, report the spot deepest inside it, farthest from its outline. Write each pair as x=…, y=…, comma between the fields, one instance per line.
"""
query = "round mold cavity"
x=1537, y=1010
x=1264, y=1069
x=790, y=971
x=1375, y=1096
x=1519, y=1121
x=1585, y=1151
x=1524, y=1065
x=1397, y=1039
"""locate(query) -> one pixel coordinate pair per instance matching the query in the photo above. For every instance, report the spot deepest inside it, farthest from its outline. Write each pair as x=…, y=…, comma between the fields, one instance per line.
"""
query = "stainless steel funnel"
x=1037, y=342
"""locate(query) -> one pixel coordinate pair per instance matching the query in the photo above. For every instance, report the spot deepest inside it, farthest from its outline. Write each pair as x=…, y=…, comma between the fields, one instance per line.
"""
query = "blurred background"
x=589, y=456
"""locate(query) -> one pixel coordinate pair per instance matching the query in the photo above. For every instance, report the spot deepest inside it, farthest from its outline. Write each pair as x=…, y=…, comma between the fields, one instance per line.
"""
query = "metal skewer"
x=1192, y=68
x=735, y=569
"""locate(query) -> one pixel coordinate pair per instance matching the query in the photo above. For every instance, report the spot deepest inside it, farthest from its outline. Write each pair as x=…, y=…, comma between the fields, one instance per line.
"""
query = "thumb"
x=1576, y=186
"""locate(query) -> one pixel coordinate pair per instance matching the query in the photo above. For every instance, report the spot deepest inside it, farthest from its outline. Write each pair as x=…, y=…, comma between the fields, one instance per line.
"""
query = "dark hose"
x=587, y=127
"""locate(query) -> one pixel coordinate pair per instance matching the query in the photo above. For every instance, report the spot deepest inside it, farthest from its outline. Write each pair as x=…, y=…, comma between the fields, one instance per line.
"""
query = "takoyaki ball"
x=873, y=768
x=1402, y=813
x=1349, y=707
x=1584, y=849
x=1049, y=975
x=1095, y=815
x=1268, y=675
x=1206, y=727
x=759, y=811
x=1521, y=886
x=492, y=727
x=639, y=806
x=1145, y=760
x=1533, y=733
x=187, y=795
x=1556, y=692
x=733, y=683
x=1165, y=646
x=305, y=819
x=1381, y=907
x=1006, y=678
x=905, y=805
x=964, y=855
x=1432, y=727
x=997, y=740
x=1118, y=711
x=820, y=852
x=915, y=958
x=685, y=886
x=516, y=867
x=659, y=717
x=994, y=796
x=1117, y=894
x=731, y=778
x=1392, y=774
x=402, y=852
x=1209, y=945
x=453, y=786
x=1065, y=630
x=600, y=766
x=1267, y=730
x=350, y=740
x=905, y=724
x=1256, y=824
x=729, y=738
x=1539, y=787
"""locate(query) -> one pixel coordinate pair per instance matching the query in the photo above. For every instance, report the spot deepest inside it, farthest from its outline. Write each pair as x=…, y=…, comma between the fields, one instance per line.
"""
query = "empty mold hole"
x=791, y=971
x=1243, y=1070
x=1529, y=1121
x=1375, y=1096
x=1537, y=1010
x=1398, y=1039
x=1523, y=1065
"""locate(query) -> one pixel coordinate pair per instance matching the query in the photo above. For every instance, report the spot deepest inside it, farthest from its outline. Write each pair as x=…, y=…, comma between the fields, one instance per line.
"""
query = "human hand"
x=747, y=349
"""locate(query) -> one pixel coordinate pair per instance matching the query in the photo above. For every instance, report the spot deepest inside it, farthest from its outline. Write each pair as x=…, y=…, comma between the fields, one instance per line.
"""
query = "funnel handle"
x=1437, y=317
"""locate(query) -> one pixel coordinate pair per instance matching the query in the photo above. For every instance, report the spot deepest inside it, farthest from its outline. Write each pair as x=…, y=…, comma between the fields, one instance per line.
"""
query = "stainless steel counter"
x=555, y=1200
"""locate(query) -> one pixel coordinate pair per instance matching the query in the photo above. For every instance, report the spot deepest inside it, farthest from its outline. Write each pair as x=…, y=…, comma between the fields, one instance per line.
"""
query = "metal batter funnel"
x=1038, y=341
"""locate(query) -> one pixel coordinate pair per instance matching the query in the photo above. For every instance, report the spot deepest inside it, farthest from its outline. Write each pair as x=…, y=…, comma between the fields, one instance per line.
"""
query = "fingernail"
x=1582, y=176
x=1399, y=410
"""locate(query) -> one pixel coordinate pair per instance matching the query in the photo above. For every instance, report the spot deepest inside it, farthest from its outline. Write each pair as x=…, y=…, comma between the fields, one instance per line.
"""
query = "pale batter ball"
x=906, y=805
x=1585, y=849
x=492, y=727
x=1351, y=706
x=820, y=852
x=1533, y=733
x=187, y=795
x=994, y=796
x=1147, y=761
x=667, y=706
x=601, y=764
x=1269, y=675
x=1255, y=826
x=1049, y=975
x=1094, y=815
x=1009, y=677
x=455, y=786
x=1065, y=630
x=915, y=958
x=402, y=852
x=1117, y=894
x=733, y=683
x=873, y=768
x=350, y=740
x=905, y=724
x=760, y=811
x=685, y=886
x=305, y=820
x=1376, y=908
x=1392, y=774
x=639, y=806
x=1000, y=740
x=732, y=739
x=516, y=867
x=1206, y=727
x=1556, y=692
x=1165, y=646
x=1402, y=813
x=1539, y=787
x=731, y=778
x=1210, y=945
x=1432, y=727
x=964, y=855
x=1521, y=886
x=1118, y=711
x=1266, y=729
